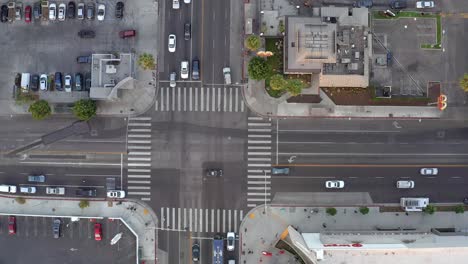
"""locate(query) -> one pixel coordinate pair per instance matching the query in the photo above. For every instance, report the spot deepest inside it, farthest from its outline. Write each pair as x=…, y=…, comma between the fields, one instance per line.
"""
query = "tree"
x=294, y=86
x=146, y=61
x=277, y=82
x=84, y=109
x=258, y=69
x=459, y=209
x=364, y=210
x=331, y=211
x=253, y=42
x=20, y=200
x=464, y=82
x=40, y=109
x=430, y=209
x=83, y=204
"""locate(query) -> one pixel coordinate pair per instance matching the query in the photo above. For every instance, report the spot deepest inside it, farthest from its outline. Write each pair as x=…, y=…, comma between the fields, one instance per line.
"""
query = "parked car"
x=4, y=14
x=71, y=9
x=83, y=59
x=27, y=189
x=5, y=188
x=175, y=4
x=87, y=78
x=61, y=12
x=195, y=69
x=37, y=10
x=78, y=82
x=172, y=79
x=18, y=11
x=187, y=31
x=280, y=170
x=425, y=4
x=86, y=192
x=56, y=227
x=171, y=44
x=52, y=11
x=55, y=190
x=363, y=3
x=187, y=1
x=429, y=171
x=80, y=12
x=214, y=172
x=84, y=33
x=101, y=12
x=90, y=11
x=184, y=69
x=58, y=81
x=334, y=184
x=11, y=225
x=116, y=194
x=97, y=232
x=27, y=14
x=43, y=82
x=127, y=33
x=68, y=83
x=399, y=4
x=230, y=241
x=34, y=85
x=195, y=252
x=119, y=10
x=36, y=178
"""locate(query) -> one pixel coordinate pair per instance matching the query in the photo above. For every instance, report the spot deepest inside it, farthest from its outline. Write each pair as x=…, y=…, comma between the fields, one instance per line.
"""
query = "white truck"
x=227, y=75
x=25, y=79
x=414, y=204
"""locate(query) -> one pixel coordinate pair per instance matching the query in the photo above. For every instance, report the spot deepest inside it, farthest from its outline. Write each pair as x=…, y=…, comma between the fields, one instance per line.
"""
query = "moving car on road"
x=184, y=69
x=279, y=170
x=172, y=79
x=56, y=228
x=175, y=4
x=425, y=4
x=227, y=75
x=334, y=184
x=398, y=4
x=429, y=171
x=187, y=31
x=230, y=241
x=214, y=172
x=86, y=192
x=196, y=69
x=171, y=44
x=86, y=33
x=36, y=178
x=195, y=252
x=11, y=225
x=97, y=232
x=405, y=184
x=117, y=194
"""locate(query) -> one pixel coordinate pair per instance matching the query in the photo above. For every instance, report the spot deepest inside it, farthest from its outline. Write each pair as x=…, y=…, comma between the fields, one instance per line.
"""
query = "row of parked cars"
x=36, y=82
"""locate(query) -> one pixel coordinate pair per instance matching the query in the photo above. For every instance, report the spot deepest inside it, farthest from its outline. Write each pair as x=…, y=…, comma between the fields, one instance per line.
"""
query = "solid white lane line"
x=138, y=176
x=139, y=170
x=71, y=163
x=339, y=131
x=371, y=154
x=88, y=175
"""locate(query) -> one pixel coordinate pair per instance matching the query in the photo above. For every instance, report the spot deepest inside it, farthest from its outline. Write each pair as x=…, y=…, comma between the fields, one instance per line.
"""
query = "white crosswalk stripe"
x=200, y=220
x=139, y=157
x=203, y=99
x=258, y=160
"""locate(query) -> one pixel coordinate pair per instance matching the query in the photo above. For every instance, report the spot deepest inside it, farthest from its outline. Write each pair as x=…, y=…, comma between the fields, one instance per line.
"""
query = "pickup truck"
x=86, y=192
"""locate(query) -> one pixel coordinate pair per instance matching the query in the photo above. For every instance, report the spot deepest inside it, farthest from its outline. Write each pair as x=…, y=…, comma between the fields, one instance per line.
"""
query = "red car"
x=11, y=225
x=97, y=232
x=127, y=34
x=27, y=14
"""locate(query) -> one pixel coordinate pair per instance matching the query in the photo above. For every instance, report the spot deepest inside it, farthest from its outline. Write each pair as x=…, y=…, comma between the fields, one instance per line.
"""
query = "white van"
x=8, y=188
x=414, y=204
x=405, y=184
x=25, y=78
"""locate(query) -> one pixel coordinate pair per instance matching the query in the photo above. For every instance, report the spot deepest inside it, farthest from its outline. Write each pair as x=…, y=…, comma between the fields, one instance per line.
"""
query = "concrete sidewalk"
x=258, y=100
x=260, y=229
x=142, y=221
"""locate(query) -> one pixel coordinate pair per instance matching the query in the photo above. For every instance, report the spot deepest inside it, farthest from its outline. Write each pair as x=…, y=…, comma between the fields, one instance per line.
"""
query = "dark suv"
x=90, y=10
x=187, y=31
x=398, y=4
x=71, y=10
x=119, y=8
x=4, y=14
x=196, y=69
x=83, y=59
x=58, y=81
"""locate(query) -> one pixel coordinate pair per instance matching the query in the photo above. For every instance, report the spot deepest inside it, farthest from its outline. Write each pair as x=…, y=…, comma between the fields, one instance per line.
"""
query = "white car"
x=184, y=69
x=175, y=4
x=52, y=11
x=55, y=190
x=43, y=82
x=171, y=44
x=27, y=189
x=334, y=184
x=187, y=1
x=61, y=12
x=7, y=188
x=68, y=85
x=101, y=12
x=230, y=241
x=425, y=4
x=116, y=194
x=429, y=171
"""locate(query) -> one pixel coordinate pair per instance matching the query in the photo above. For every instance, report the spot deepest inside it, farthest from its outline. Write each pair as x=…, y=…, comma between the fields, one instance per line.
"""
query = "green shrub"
x=430, y=209
x=83, y=204
x=331, y=211
x=459, y=209
x=364, y=210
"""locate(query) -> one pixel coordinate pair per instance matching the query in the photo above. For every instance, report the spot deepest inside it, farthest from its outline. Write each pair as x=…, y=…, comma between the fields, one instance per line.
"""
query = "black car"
x=71, y=11
x=195, y=69
x=398, y=4
x=78, y=82
x=4, y=15
x=90, y=10
x=34, y=82
x=87, y=81
x=214, y=172
x=58, y=81
x=86, y=192
x=86, y=33
x=195, y=252
x=37, y=11
x=187, y=31
x=119, y=9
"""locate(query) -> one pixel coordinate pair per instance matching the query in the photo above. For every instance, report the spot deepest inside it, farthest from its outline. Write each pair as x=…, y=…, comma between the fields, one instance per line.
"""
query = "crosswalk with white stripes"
x=139, y=158
x=200, y=99
x=258, y=161
x=200, y=220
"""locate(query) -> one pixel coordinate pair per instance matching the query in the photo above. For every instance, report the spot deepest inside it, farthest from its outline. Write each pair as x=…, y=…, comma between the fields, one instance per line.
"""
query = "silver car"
x=172, y=79
x=429, y=171
x=61, y=12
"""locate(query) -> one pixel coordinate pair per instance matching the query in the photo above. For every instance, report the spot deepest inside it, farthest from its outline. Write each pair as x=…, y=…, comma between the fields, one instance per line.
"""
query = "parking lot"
x=411, y=67
x=44, y=46
x=76, y=243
